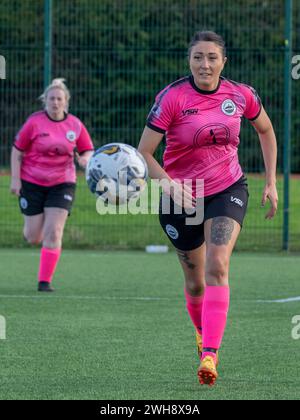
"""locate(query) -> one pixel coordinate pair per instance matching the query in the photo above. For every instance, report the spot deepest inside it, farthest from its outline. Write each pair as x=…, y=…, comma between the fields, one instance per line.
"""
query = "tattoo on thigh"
x=221, y=230
x=184, y=257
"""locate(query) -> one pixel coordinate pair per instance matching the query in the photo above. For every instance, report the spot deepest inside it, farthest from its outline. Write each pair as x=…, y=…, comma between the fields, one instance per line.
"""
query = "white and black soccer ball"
x=117, y=173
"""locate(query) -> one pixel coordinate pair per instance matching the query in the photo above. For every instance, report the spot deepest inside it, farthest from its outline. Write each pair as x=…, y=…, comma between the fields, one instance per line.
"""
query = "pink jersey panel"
x=202, y=130
x=48, y=148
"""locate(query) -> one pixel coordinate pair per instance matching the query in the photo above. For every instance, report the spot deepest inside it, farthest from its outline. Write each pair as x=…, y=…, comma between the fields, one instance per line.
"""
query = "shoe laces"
x=209, y=363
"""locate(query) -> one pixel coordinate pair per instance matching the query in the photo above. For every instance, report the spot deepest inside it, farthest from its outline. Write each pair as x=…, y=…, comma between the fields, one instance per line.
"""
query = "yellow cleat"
x=199, y=343
x=207, y=372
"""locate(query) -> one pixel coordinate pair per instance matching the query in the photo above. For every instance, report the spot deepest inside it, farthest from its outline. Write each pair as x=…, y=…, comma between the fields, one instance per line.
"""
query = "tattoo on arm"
x=184, y=257
x=221, y=230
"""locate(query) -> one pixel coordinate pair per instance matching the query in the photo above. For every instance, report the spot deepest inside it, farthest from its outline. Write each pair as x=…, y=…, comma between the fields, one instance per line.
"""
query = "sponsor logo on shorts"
x=228, y=107
x=71, y=135
x=172, y=232
x=23, y=203
x=68, y=197
x=237, y=201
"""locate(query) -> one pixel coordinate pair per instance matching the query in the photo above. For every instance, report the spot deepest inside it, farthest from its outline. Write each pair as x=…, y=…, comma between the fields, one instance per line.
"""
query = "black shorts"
x=34, y=198
x=231, y=202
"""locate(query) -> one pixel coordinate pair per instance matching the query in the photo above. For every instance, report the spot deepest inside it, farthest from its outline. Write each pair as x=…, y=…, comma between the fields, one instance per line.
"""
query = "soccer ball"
x=117, y=173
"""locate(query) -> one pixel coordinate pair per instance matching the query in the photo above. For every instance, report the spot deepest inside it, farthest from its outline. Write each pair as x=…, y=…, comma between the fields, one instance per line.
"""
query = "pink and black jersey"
x=48, y=147
x=202, y=130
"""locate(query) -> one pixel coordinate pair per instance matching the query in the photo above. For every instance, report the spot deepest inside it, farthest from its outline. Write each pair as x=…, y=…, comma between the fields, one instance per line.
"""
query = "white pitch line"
x=65, y=254
x=51, y=296
x=292, y=299
x=116, y=298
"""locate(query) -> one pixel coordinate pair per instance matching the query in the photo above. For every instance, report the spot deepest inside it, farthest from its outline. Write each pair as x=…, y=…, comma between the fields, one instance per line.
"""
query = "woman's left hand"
x=83, y=159
x=270, y=193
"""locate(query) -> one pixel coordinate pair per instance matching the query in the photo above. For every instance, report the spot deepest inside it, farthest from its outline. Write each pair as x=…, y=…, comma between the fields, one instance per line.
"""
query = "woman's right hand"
x=15, y=186
x=182, y=195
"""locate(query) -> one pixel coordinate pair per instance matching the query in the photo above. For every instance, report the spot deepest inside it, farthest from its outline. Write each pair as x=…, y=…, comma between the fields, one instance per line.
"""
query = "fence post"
x=2, y=67
x=287, y=119
x=47, y=42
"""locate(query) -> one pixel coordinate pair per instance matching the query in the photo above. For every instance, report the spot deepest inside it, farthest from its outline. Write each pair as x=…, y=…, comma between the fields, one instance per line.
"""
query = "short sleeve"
x=84, y=142
x=24, y=137
x=253, y=103
x=161, y=114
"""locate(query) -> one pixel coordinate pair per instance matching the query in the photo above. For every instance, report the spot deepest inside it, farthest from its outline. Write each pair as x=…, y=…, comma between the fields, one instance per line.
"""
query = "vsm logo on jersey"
x=71, y=135
x=237, y=201
x=228, y=107
x=190, y=112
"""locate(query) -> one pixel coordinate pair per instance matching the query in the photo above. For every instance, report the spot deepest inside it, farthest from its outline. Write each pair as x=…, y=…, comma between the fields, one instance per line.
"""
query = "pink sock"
x=48, y=262
x=214, y=316
x=194, y=308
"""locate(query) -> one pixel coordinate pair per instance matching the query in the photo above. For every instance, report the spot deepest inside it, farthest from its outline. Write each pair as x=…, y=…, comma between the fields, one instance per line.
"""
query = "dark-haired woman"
x=200, y=115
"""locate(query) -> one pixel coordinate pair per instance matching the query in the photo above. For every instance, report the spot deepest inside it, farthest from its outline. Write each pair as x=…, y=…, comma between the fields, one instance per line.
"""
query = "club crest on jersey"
x=71, y=135
x=228, y=107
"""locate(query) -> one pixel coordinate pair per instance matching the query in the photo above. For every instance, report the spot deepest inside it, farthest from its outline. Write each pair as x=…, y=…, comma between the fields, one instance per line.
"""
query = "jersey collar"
x=204, y=92
x=57, y=121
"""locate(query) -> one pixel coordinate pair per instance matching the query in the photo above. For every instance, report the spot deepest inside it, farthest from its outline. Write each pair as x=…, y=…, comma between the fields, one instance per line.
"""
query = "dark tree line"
x=116, y=54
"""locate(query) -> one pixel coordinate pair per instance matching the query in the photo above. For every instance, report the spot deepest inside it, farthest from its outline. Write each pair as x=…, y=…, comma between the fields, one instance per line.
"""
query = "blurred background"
x=116, y=55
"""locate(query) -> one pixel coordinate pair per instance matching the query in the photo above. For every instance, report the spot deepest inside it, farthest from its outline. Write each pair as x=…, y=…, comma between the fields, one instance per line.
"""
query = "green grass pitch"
x=87, y=229
x=117, y=328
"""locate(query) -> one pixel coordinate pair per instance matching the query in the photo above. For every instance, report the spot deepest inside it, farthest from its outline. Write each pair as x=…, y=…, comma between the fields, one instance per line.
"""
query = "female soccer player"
x=43, y=174
x=200, y=115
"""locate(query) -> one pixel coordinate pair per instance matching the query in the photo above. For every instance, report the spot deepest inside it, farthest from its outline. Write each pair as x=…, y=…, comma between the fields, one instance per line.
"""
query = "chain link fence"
x=116, y=55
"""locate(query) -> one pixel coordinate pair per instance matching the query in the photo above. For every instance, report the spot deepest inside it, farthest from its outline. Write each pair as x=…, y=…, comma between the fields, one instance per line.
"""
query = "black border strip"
x=153, y=127
x=255, y=118
x=18, y=148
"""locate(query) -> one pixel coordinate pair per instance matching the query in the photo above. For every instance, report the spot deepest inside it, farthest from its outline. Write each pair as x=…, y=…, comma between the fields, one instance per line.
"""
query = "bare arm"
x=265, y=131
x=149, y=142
x=16, y=162
x=84, y=158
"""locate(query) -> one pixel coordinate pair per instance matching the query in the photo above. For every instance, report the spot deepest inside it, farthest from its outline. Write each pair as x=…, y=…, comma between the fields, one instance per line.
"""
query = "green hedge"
x=116, y=54
x=87, y=229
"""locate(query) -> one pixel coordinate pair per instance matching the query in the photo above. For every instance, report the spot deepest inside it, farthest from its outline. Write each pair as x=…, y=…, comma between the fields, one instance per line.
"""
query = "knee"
x=32, y=239
x=217, y=271
x=53, y=237
x=195, y=287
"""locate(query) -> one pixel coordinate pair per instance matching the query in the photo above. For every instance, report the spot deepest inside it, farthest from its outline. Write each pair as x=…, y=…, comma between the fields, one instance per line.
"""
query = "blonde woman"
x=43, y=174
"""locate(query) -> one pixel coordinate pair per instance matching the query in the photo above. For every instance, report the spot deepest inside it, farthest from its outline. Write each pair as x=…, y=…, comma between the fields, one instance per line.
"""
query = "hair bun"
x=58, y=82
